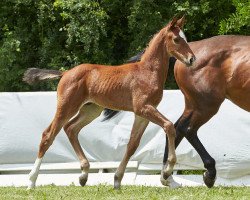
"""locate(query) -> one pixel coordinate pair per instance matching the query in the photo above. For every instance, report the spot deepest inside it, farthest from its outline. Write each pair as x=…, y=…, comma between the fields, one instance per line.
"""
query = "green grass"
x=127, y=192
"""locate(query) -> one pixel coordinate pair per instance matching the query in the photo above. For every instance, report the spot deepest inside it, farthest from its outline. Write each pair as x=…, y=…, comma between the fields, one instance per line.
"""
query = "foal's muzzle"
x=191, y=60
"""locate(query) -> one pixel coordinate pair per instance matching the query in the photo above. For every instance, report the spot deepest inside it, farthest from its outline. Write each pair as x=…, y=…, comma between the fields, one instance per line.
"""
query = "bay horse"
x=223, y=62
x=85, y=90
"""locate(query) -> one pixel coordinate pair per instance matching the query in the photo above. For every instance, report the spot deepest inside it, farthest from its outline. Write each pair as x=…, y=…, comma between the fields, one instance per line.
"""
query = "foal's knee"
x=169, y=129
x=142, y=110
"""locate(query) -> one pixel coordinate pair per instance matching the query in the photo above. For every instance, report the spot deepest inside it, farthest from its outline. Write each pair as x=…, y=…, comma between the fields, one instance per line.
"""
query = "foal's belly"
x=114, y=101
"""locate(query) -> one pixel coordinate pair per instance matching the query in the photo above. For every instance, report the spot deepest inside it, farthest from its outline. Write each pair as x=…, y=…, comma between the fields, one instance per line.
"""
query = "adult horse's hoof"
x=83, y=179
x=209, y=181
x=170, y=182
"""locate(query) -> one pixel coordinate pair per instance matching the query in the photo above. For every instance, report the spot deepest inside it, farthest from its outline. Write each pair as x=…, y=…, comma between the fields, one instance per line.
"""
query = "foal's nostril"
x=192, y=59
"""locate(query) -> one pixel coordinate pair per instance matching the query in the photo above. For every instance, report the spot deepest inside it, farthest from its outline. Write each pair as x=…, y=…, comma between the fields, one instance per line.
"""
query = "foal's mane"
x=156, y=38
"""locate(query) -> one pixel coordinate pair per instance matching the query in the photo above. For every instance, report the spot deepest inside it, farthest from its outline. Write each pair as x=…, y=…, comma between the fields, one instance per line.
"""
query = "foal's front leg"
x=179, y=136
x=139, y=126
x=151, y=113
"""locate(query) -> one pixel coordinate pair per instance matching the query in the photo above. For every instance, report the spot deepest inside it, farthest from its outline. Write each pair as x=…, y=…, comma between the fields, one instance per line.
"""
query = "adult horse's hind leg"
x=86, y=115
x=139, y=126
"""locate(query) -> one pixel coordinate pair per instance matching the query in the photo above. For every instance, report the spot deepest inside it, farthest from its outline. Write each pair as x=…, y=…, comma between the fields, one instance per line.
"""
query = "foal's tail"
x=34, y=75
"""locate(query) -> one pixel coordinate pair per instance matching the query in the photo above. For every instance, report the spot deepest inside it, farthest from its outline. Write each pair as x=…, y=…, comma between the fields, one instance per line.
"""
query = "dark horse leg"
x=187, y=126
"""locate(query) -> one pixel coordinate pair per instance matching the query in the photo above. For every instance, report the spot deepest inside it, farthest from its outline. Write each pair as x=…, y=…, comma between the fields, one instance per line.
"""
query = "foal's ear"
x=180, y=22
x=172, y=23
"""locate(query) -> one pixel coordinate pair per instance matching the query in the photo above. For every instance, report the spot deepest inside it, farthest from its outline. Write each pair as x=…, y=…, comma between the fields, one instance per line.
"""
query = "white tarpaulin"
x=24, y=116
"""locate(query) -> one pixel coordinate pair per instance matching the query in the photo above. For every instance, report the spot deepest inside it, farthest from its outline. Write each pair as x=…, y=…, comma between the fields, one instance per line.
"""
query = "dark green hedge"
x=63, y=33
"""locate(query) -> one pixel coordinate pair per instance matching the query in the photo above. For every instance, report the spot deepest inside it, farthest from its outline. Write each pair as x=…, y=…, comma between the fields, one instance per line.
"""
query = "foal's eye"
x=176, y=40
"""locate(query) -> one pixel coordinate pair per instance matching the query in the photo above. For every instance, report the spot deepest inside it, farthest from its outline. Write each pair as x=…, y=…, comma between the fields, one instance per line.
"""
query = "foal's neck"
x=156, y=56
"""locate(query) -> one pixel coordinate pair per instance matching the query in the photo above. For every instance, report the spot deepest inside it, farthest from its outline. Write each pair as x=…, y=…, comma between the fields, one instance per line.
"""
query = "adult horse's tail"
x=33, y=75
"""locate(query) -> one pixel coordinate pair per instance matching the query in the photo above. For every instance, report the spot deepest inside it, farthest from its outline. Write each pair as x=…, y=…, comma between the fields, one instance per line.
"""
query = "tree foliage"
x=60, y=34
x=239, y=21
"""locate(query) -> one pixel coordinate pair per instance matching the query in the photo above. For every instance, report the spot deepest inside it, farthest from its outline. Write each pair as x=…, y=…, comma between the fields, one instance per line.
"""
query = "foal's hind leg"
x=86, y=115
x=47, y=139
x=139, y=126
x=64, y=112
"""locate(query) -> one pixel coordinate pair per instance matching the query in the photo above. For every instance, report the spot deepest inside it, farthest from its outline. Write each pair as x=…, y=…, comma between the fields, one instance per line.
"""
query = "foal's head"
x=176, y=42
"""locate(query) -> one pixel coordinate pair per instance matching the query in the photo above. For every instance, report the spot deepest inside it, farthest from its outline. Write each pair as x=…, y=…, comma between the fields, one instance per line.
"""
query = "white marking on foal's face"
x=182, y=35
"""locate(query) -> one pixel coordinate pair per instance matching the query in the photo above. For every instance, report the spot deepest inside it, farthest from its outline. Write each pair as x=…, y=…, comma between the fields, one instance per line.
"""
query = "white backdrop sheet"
x=24, y=116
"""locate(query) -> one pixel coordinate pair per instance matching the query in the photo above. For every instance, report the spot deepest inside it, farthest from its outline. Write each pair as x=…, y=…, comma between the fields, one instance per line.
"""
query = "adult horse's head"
x=176, y=42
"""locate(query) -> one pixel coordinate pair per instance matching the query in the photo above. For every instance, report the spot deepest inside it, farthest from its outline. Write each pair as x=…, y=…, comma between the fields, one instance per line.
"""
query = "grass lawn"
x=126, y=192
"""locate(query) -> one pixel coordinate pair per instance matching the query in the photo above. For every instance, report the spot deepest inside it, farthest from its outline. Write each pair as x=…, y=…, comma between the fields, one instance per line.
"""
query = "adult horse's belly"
x=239, y=86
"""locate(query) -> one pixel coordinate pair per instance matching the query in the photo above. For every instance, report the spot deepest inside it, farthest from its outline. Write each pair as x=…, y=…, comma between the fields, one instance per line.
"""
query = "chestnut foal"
x=85, y=90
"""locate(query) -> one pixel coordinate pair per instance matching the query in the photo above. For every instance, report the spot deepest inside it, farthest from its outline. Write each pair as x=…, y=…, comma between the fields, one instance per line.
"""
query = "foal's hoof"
x=170, y=182
x=83, y=179
x=209, y=181
x=117, y=183
x=164, y=182
x=30, y=187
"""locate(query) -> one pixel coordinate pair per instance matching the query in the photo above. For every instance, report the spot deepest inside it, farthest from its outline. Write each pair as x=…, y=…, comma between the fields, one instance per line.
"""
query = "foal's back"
x=222, y=71
x=108, y=86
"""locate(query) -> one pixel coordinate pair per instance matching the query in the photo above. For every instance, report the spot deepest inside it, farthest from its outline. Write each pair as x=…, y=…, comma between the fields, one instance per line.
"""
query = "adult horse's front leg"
x=151, y=113
x=209, y=176
x=139, y=126
x=187, y=126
